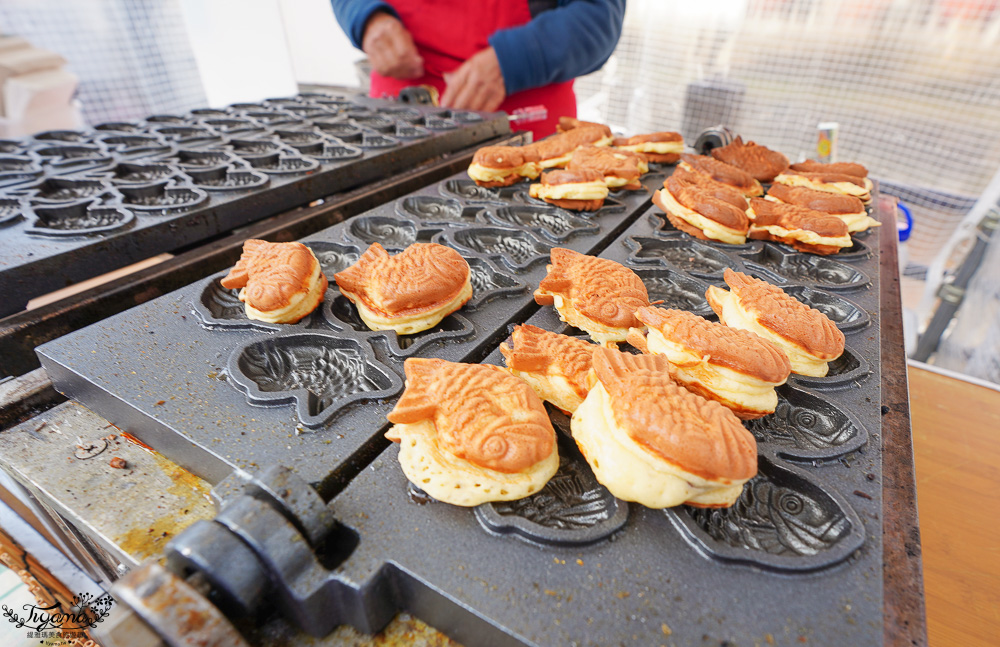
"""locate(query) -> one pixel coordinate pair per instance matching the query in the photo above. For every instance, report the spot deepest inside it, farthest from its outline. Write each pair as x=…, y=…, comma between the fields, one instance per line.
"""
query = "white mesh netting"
x=914, y=85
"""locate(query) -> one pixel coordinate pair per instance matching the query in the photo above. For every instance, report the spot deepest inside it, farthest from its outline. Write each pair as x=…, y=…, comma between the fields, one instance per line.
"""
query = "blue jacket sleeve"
x=353, y=15
x=575, y=38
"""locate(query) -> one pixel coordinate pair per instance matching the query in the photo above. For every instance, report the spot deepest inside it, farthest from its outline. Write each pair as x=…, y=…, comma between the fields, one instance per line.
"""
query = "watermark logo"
x=85, y=612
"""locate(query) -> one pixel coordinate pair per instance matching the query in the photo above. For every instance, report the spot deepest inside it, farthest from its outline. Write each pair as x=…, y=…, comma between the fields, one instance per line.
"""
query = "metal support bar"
x=952, y=294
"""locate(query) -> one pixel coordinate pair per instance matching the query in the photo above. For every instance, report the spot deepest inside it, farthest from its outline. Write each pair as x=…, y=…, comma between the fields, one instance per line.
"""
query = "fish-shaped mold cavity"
x=573, y=509
x=322, y=375
x=472, y=433
x=675, y=290
x=695, y=258
x=782, y=521
x=409, y=292
x=805, y=426
x=516, y=248
x=847, y=315
x=333, y=257
x=434, y=210
x=555, y=224
x=469, y=191
x=82, y=218
x=804, y=268
x=489, y=283
x=391, y=233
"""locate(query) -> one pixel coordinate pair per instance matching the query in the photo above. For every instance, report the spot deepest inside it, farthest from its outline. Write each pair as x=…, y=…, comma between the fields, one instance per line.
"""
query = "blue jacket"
x=575, y=38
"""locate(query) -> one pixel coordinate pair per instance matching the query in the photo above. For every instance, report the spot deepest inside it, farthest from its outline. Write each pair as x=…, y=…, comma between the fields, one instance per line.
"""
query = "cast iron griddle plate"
x=191, y=376
x=798, y=560
x=74, y=204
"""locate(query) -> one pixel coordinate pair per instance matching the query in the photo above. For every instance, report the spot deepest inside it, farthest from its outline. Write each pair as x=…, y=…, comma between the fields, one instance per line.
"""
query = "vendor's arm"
x=574, y=39
x=374, y=27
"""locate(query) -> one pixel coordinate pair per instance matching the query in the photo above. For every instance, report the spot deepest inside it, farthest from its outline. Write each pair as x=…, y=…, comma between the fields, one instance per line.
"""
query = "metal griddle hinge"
x=272, y=544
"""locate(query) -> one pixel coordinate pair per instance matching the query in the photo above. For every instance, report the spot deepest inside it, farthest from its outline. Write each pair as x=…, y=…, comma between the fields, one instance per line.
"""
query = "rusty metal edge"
x=905, y=619
x=22, y=332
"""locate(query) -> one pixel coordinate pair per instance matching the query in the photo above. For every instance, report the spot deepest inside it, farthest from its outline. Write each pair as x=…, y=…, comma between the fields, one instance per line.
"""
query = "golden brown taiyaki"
x=555, y=366
x=846, y=207
x=704, y=209
x=736, y=368
x=621, y=169
x=713, y=169
x=762, y=163
x=804, y=229
x=472, y=433
x=579, y=190
x=555, y=151
x=279, y=282
x=806, y=335
x=409, y=292
x=842, y=177
x=494, y=166
x=594, y=294
x=663, y=147
x=652, y=441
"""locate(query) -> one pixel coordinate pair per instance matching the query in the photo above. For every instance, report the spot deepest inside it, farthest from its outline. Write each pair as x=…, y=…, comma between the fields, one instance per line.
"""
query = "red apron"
x=447, y=33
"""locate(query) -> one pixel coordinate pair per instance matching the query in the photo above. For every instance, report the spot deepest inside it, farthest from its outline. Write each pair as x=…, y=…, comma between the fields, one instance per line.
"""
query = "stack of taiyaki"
x=712, y=169
x=494, y=166
x=846, y=207
x=555, y=151
x=597, y=295
x=809, y=338
x=409, y=292
x=472, y=433
x=663, y=147
x=842, y=177
x=279, y=282
x=804, y=229
x=620, y=169
x=580, y=190
x=704, y=208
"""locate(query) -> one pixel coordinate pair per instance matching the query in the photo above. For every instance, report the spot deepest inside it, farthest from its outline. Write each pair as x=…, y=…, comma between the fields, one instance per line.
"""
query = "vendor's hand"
x=390, y=48
x=477, y=84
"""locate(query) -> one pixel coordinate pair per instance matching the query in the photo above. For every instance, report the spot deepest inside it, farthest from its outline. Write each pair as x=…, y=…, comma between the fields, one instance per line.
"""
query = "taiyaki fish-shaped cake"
x=569, y=123
x=472, y=433
x=594, y=294
x=555, y=366
x=652, y=441
x=409, y=292
x=663, y=147
x=704, y=211
x=713, y=169
x=621, y=169
x=806, y=335
x=581, y=190
x=846, y=207
x=734, y=367
x=494, y=166
x=845, y=178
x=278, y=282
x=804, y=229
x=555, y=151
x=762, y=163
